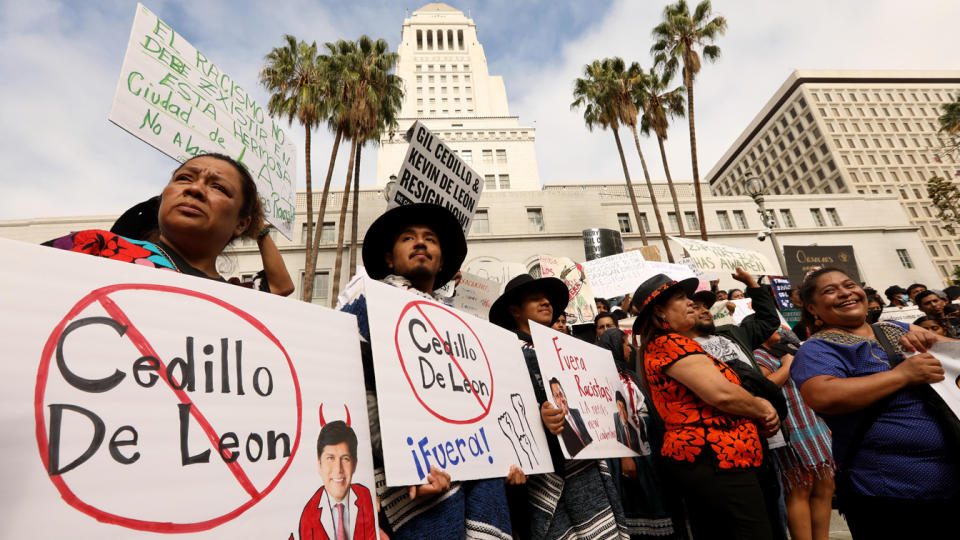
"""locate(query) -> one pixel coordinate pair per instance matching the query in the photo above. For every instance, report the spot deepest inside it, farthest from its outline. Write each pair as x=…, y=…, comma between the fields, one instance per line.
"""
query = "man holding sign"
x=419, y=248
x=587, y=500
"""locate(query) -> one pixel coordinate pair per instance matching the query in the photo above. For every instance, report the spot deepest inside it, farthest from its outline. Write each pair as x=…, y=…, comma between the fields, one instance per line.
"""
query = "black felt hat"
x=654, y=288
x=555, y=289
x=383, y=232
x=707, y=298
x=138, y=220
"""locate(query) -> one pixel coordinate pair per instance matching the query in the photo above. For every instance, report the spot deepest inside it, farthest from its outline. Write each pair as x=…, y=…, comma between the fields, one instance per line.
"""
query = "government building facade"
x=449, y=88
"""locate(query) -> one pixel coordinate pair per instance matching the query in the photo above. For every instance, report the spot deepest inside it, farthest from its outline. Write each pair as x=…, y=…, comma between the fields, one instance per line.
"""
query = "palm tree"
x=372, y=96
x=661, y=105
x=293, y=74
x=596, y=93
x=678, y=39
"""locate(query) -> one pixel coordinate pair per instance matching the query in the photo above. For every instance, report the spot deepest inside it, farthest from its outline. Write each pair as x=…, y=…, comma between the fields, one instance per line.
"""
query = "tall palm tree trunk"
x=340, y=227
x=688, y=81
x=310, y=268
x=673, y=190
x=653, y=196
x=356, y=200
x=633, y=197
x=308, y=289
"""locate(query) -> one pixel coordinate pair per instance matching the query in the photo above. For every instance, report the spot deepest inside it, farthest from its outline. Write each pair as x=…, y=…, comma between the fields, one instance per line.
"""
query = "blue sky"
x=61, y=61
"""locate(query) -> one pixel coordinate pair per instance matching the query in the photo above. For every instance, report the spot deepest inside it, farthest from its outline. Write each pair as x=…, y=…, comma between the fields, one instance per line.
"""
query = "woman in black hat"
x=711, y=444
x=578, y=500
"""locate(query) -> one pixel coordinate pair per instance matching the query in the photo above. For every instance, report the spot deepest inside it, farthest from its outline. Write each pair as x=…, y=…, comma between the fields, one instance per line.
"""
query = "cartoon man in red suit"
x=340, y=510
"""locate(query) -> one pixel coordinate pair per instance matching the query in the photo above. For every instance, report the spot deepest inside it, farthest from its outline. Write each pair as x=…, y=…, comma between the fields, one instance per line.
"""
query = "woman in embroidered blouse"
x=901, y=479
x=713, y=426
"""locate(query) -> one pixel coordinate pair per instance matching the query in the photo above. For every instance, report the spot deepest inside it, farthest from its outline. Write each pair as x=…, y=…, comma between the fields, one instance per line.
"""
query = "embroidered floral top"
x=691, y=423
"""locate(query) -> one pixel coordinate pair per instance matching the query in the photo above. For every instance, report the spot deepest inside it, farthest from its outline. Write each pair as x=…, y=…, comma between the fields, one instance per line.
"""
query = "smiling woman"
x=209, y=201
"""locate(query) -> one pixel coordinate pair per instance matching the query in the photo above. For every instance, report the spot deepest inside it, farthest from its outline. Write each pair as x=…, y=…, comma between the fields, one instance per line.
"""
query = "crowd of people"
x=742, y=430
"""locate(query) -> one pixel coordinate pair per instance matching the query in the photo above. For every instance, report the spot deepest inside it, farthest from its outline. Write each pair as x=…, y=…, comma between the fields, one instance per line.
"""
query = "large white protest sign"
x=432, y=172
x=905, y=314
x=581, y=307
x=140, y=402
x=171, y=96
x=744, y=308
x=948, y=353
x=583, y=379
x=452, y=390
x=616, y=275
x=475, y=295
x=713, y=257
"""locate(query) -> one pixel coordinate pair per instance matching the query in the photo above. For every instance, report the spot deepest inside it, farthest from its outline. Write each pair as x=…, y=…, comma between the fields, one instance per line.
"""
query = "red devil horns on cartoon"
x=324, y=422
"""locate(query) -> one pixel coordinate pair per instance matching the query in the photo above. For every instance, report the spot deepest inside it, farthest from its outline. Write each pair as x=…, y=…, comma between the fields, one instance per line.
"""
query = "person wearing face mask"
x=897, y=475
x=874, y=309
x=897, y=296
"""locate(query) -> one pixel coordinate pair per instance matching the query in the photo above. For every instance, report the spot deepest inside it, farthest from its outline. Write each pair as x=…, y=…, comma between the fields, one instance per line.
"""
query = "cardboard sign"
x=581, y=308
x=803, y=259
x=475, y=295
x=142, y=403
x=711, y=256
x=582, y=379
x=948, y=353
x=172, y=97
x=432, y=172
x=452, y=390
x=905, y=314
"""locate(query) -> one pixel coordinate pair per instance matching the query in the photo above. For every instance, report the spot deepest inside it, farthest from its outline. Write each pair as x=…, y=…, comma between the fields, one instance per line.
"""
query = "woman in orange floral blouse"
x=713, y=426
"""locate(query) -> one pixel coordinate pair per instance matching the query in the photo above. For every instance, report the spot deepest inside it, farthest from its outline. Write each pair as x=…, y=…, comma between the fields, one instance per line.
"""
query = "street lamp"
x=754, y=187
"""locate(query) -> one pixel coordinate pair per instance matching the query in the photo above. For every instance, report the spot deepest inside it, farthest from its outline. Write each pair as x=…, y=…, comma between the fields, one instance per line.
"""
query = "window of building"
x=787, y=216
x=724, y=220
x=501, y=156
x=644, y=221
x=933, y=250
x=817, y=217
x=740, y=218
x=481, y=222
x=488, y=157
x=535, y=219
x=504, y=181
x=321, y=287
x=489, y=181
x=623, y=219
x=672, y=218
x=692, y=222
x=467, y=155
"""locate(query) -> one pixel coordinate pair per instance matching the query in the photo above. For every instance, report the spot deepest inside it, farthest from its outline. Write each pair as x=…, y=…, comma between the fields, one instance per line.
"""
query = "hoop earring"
x=817, y=321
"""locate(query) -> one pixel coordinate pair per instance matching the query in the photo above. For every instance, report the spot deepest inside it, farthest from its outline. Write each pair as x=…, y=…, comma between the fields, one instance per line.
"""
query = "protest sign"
x=475, y=295
x=432, y=172
x=906, y=314
x=452, y=391
x=744, y=307
x=802, y=259
x=948, y=353
x=583, y=379
x=599, y=243
x=781, y=291
x=615, y=275
x=144, y=402
x=711, y=256
x=721, y=315
x=172, y=97
x=581, y=308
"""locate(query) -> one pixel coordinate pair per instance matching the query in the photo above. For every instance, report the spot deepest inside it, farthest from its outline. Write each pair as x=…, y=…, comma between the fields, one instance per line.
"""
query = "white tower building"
x=449, y=89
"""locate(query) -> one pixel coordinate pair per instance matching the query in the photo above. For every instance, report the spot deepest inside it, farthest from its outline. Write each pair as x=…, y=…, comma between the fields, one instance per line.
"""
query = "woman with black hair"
x=896, y=476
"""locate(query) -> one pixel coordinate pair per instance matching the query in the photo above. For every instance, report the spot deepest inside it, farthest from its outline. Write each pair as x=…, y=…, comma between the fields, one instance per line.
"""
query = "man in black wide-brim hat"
x=420, y=247
x=586, y=500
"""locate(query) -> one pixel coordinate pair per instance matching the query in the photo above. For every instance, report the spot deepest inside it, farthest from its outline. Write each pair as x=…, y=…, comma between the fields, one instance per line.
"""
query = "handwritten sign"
x=711, y=256
x=744, y=308
x=581, y=308
x=781, y=291
x=172, y=97
x=616, y=275
x=449, y=392
x=721, y=315
x=948, y=353
x=475, y=295
x=905, y=314
x=432, y=172
x=148, y=402
x=582, y=379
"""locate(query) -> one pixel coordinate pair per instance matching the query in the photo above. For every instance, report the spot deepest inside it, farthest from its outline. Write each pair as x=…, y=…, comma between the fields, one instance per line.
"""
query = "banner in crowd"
x=494, y=269
x=721, y=315
x=802, y=259
x=432, y=172
x=601, y=243
x=781, y=292
x=145, y=403
x=475, y=295
x=713, y=257
x=452, y=392
x=172, y=97
x=906, y=314
x=581, y=308
x=582, y=379
x=948, y=353
x=744, y=308
x=621, y=274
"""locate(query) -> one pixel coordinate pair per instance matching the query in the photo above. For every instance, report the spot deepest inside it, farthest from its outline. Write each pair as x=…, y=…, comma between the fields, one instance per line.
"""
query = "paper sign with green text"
x=172, y=97
x=713, y=257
